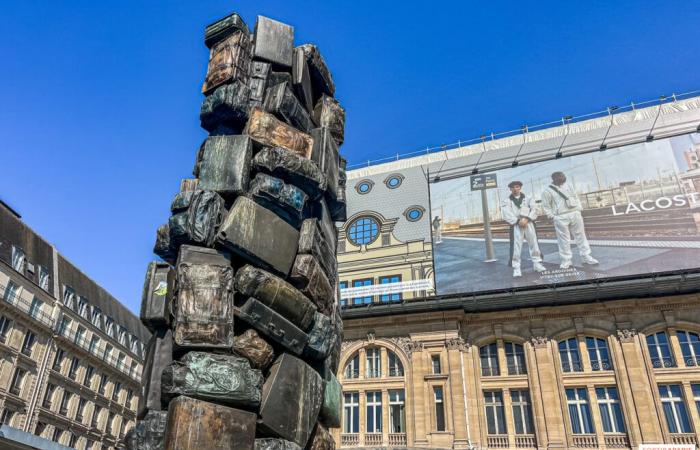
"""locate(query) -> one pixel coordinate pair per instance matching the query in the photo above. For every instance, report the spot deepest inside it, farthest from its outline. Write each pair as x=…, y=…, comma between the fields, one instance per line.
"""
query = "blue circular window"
x=414, y=213
x=364, y=186
x=363, y=231
x=394, y=181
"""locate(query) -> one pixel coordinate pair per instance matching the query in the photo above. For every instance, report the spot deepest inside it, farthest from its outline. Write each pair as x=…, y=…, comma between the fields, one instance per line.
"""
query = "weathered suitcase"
x=292, y=397
x=229, y=60
x=268, y=131
x=250, y=345
x=273, y=325
x=333, y=359
x=275, y=444
x=321, y=439
x=321, y=336
x=203, y=311
x=199, y=223
x=148, y=433
x=275, y=293
x=322, y=213
x=227, y=106
x=181, y=202
x=162, y=246
x=159, y=355
x=329, y=114
x=155, y=310
x=259, y=73
x=274, y=42
x=286, y=200
x=281, y=101
x=332, y=401
x=325, y=155
x=321, y=78
x=259, y=235
x=224, y=379
x=301, y=80
x=291, y=168
x=223, y=28
x=313, y=242
x=225, y=165
x=279, y=77
x=198, y=425
x=308, y=277
x=189, y=184
x=338, y=206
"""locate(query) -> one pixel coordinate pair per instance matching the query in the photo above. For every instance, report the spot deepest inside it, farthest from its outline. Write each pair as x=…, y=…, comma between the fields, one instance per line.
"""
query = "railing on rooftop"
x=528, y=129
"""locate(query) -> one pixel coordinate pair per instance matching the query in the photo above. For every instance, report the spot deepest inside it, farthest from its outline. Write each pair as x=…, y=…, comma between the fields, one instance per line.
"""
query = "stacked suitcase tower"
x=243, y=308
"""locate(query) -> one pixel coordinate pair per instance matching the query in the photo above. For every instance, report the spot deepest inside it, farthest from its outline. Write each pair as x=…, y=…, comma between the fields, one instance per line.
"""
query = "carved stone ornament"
x=539, y=341
x=371, y=336
x=457, y=344
x=349, y=343
x=626, y=334
x=407, y=345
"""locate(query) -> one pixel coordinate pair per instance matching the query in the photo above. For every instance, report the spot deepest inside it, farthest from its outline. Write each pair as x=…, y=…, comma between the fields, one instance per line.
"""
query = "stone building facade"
x=71, y=355
x=604, y=374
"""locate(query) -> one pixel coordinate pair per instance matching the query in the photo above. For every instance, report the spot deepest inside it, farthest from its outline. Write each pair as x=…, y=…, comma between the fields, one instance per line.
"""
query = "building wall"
x=456, y=339
x=78, y=382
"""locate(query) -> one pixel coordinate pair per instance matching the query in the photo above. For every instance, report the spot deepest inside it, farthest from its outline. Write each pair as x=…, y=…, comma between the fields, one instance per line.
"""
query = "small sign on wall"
x=667, y=447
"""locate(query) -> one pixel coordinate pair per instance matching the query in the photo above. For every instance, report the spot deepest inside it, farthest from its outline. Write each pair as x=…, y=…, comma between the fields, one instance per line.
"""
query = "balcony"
x=497, y=441
x=26, y=307
x=525, y=441
x=350, y=440
x=397, y=439
x=684, y=438
x=601, y=365
x=617, y=441
x=662, y=363
x=373, y=440
x=585, y=441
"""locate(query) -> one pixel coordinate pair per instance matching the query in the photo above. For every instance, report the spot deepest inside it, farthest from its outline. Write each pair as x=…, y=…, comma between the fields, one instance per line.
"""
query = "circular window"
x=364, y=186
x=394, y=181
x=363, y=231
x=414, y=213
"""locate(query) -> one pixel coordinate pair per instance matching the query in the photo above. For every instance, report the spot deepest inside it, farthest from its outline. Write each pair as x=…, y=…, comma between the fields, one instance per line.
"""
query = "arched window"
x=598, y=353
x=489, y=360
x=395, y=366
x=515, y=357
x=352, y=368
x=569, y=355
x=363, y=231
x=660, y=350
x=690, y=346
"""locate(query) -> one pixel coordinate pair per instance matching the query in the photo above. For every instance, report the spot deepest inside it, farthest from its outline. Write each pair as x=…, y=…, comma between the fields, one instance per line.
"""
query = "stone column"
x=552, y=413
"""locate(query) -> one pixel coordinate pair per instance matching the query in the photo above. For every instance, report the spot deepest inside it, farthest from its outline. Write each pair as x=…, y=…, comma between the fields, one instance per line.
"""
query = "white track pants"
x=529, y=235
x=568, y=224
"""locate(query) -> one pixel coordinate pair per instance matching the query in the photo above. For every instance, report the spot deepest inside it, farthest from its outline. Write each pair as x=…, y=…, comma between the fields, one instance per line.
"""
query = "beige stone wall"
x=456, y=337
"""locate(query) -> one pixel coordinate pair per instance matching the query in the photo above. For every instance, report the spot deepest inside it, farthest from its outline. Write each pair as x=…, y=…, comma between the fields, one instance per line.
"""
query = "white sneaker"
x=565, y=265
x=517, y=273
x=539, y=267
x=589, y=260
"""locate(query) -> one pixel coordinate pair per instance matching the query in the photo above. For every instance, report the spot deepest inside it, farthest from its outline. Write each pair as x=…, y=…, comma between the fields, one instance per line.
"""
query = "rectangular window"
x=569, y=356
x=676, y=413
x=439, y=408
x=351, y=412
x=397, y=411
x=110, y=423
x=7, y=416
x=58, y=360
x=109, y=326
x=696, y=396
x=28, y=343
x=56, y=436
x=122, y=336
x=103, y=384
x=373, y=363
x=81, y=410
x=690, y=347
x=435, y=359
x=362, y=283
x=69, y=298
x=64, y=326
x=343, y=285
x=11, y=292
x=598, y=353
x=96, y=316
x=63, y=409
x=80, y=337
x=579, y=411
x=94, y=422
x=40, y=427
x=44, y=278
x=129, y=397
x=515, y=358
x=396, y=297
x=116, y=391
x=374, y=412
x=73, y=371
x=395, y=366
x=83, y=307
x=108, y=353
x=17, y=381
x=495, y=417
x=94, y=345
x=4, y=328
x=48, y=396
x=522, y=412
x=19, y=259
x=660, y=350
x=35, y=308
x=352, y=368
x=610, y=410
x=87, y=381
x=488, y=354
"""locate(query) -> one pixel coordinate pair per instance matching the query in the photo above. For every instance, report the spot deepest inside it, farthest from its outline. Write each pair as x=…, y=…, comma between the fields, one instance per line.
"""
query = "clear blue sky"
x=99, y=100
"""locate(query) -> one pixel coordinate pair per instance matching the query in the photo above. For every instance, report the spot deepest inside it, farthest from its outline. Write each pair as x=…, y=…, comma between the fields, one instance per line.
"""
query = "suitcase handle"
x=275, y=331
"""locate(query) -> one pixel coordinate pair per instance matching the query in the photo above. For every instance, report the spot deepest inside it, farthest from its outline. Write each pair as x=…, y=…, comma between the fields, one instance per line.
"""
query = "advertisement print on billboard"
x=632, y=210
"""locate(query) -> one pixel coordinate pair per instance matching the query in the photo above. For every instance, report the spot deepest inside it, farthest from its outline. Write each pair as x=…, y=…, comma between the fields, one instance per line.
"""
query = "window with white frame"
x=397, y=412
x=435, y=360
x=395, y=366
x=660, y=350
x=94, y=344
x=696, y=396
x=352, y=368
x=674, y=408
x=522, y=412
x=598, y=353
x=69, y=297
x=374, y=411
x=44, y=278
x=83, y=307
x=495, y=417
x=610, y=410
x=122, y=336
x=373, y=363
x=488, y=355
x=515, y=358
x=28, y=343
x=96, y=318
x=35, y=308
x=569, y=356
x=11, y=292
x=109, y=326
x=19, y=259
x=4, y=328
x=690, y=347
x=579, y=411
x=351, y=412
x=439, y=400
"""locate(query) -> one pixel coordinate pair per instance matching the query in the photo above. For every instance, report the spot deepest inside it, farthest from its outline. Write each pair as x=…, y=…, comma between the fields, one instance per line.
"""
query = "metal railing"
x=528, y=129
x=26, y=307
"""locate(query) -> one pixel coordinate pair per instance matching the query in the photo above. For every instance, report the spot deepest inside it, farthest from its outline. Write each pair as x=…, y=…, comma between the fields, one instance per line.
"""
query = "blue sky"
x=100, y=100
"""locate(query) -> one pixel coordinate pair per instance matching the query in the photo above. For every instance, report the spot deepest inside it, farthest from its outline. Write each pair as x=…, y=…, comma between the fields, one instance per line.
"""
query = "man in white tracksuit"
x=561, y=204
x=519, y=211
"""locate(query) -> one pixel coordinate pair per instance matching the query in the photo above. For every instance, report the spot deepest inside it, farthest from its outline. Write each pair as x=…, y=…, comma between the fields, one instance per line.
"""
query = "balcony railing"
x=517, y=369
x=684, y=438
x=525, y=441
x=571, y=366
x=585, y=441
x=349, y=440
x=490, y=371
x=617, y=441
x=601, y=365
x=661, y=363
x=397, y=439
x=692, y=361
x=26, y=307
x=373, y=439
x=497, y=441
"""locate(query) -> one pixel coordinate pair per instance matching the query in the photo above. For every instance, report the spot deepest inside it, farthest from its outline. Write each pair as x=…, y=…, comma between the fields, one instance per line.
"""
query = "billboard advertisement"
x=623, y=211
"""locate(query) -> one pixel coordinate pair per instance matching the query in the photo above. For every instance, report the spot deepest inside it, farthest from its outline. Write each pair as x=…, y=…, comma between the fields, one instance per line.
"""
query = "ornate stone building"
x=597, y=374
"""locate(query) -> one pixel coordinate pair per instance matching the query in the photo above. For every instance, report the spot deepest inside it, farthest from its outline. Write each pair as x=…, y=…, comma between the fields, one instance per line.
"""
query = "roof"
x=13, y=438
